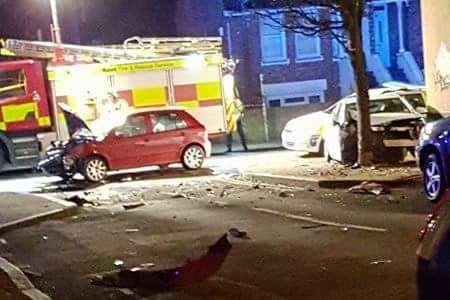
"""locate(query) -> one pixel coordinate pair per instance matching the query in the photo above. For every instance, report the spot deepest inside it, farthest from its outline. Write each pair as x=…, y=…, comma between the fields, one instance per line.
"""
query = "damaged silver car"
x=395, y=129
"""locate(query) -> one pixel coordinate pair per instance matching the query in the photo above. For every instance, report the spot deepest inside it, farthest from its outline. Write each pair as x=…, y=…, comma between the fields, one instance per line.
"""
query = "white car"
x=395, y=123
x=305, y=133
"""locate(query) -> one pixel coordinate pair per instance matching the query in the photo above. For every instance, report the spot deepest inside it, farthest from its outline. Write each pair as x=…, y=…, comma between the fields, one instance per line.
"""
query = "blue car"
x=433, y=153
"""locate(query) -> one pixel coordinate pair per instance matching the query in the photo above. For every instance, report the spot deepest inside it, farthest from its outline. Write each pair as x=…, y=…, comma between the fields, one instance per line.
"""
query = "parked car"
x=144, y=138
x=305, y=133
x=433, y=264
x=433, y=157
x=395, y=128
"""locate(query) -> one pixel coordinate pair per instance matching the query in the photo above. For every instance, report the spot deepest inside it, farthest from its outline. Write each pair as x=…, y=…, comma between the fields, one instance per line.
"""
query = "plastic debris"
x=129, y=206
x=192, y=272
x=132, y=230
x=118, y=262
x=238, y=233
x=45, y=237
x=3, y=242
x=344, y=229
x=369, y=188
x=381, y=261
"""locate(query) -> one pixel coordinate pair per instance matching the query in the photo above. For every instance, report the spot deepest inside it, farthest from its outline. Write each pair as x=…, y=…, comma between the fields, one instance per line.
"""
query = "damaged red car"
x=143, y=138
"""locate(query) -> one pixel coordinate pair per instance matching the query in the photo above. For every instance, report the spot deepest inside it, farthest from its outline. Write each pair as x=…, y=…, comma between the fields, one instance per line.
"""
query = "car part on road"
x=190, y=273
x=238, y=233
x=193, y=157
x=369, y=188
x=433, y=184
x=94, y=169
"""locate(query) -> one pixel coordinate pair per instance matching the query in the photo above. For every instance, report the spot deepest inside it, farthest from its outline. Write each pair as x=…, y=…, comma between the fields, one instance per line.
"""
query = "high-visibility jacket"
x=235, y=111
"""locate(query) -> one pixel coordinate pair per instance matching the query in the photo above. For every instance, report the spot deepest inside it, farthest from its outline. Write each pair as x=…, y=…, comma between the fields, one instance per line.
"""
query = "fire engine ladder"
x=134, y=48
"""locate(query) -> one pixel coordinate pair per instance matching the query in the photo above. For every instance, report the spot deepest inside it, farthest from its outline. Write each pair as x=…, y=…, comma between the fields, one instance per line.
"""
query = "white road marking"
x=317, y=221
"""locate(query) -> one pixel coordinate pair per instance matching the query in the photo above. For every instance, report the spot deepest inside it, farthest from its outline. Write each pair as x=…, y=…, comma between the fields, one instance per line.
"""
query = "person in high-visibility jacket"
x=235, y=112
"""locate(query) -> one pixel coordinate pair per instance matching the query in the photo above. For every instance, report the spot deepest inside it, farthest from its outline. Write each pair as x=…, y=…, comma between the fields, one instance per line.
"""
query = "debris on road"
x=369, y=188
x=192, y=272
x=32, y=274
x=118, y=262
x=80, y=200
x=3, y=242
x=132, y=230
x=45, y=237
x=314, y=226
x=238, y=233
x=147, y=265
x=286, y=194
x=129, y=206
x=382, y=261
x=178, y=195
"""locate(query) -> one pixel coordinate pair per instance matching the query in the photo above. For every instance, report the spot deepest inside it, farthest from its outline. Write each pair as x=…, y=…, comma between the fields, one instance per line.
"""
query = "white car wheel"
x=193, y=157
x=95, y=169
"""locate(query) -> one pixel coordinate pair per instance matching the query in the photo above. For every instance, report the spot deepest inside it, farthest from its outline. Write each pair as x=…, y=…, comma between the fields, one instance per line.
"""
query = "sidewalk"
x=293, y=169
x=221, y=148
x=20, y=210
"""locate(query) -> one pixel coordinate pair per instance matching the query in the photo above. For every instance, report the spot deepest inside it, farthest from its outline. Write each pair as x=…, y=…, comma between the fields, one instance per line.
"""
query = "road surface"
x=304, y=243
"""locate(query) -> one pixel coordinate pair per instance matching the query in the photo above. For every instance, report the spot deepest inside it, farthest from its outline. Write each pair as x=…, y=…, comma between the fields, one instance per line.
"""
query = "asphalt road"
x=365, y=251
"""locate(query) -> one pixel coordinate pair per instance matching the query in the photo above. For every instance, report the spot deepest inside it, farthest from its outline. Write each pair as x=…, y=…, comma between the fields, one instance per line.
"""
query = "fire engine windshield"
x=12, y=84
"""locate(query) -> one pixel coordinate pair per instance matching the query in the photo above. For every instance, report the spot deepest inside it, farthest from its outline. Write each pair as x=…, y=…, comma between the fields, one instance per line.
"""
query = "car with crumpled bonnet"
x=155, y=137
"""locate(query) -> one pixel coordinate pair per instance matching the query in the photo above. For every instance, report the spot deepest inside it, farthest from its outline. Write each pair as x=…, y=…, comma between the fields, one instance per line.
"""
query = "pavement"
x=18, y=210
x=292, y=168
x=221, y=148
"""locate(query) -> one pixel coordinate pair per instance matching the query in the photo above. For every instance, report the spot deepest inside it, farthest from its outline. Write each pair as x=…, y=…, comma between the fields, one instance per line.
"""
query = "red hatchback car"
x=144, y=138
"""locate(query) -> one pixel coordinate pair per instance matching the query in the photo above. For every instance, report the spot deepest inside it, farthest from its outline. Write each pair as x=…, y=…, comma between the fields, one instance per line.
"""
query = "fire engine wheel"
x=193, y=157
x=95, y=169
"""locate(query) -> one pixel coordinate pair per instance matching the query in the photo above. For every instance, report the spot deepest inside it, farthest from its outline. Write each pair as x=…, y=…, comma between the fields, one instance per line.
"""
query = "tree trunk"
x=356, y=52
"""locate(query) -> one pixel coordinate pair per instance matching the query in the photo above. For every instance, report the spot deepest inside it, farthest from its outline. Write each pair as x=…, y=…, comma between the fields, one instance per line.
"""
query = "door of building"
x=381, y=32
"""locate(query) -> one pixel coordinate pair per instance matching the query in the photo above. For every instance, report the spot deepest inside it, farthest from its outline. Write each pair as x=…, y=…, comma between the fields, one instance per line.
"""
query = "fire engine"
x=142, y=72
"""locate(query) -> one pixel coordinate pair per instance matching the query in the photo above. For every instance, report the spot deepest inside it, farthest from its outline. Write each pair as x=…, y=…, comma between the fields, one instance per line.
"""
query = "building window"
x=295, y=93
x=307, y=47
x=273, y=41
x=297, y=99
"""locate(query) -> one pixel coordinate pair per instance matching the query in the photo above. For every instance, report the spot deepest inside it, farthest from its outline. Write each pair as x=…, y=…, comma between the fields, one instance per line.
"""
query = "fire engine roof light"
x=195, y=62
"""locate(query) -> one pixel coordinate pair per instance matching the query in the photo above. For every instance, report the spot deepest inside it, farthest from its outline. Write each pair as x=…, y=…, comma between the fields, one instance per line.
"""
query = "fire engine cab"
x=142, y=72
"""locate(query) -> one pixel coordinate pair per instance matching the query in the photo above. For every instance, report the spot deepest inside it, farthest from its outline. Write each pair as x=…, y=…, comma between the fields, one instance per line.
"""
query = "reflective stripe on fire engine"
x=189, y=104
x=150, y=96
x=18, y=112
x=44, y=121
x=209, y=90
x=6, y=52
x=2, y=126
